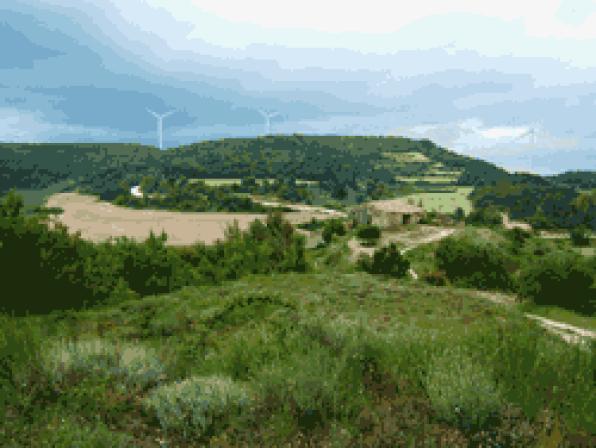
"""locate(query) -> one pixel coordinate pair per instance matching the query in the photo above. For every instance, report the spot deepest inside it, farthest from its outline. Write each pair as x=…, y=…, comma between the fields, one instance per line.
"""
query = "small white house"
x=136, y=191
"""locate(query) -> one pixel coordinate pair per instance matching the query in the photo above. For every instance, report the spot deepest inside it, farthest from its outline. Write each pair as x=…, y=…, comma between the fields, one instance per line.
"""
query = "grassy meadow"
x=444, y=202
x=332, y=357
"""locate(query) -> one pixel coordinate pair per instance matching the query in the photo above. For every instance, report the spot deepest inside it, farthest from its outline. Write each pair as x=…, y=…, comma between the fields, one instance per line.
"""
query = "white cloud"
x=472, y=137
x=29, y=126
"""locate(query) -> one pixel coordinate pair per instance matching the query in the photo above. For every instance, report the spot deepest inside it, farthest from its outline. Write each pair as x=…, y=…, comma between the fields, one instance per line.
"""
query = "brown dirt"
x=99, y=220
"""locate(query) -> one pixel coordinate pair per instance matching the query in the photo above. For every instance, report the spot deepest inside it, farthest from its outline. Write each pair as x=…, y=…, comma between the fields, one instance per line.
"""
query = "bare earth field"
x=98, y=221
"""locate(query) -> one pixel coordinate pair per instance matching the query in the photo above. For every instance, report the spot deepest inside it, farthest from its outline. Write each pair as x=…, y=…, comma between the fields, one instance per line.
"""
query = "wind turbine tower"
x=532, y=144
x=268, y=116
x=160, y=125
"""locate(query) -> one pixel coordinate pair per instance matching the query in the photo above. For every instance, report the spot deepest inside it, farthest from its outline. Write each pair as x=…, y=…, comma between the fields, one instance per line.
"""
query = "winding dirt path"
x=567, y=332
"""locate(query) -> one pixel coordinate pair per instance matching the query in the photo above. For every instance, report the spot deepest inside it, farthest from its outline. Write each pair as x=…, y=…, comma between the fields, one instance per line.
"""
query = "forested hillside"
x=340, y=164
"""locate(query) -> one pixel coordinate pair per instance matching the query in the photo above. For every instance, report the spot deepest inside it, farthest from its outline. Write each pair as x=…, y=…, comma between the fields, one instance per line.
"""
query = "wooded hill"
x=336, y=162
x=363, y=166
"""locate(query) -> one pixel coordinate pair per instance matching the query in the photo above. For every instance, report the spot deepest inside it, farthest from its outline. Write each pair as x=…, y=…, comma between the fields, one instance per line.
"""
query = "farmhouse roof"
x=395, y=206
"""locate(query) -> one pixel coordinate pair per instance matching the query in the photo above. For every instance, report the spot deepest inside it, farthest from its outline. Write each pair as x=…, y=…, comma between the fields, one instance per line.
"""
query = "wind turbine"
x=268, y=116
x=160, y=124
x=531, y=132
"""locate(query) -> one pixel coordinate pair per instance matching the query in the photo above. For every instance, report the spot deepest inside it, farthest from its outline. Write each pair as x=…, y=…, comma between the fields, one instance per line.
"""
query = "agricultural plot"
x=99, y=220
x=407, y=157
x=233, y=181
x=427, y=179
x=446, y=202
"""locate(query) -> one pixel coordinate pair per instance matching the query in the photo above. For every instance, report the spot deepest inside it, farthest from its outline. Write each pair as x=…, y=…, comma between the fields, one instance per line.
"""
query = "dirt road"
x=567, y=332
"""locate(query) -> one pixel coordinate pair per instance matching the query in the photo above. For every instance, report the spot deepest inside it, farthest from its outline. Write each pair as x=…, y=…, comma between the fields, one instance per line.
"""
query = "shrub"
x=369, y=233
x=435, y=278
x=468, y=262
x=20, y=345
x=485, y=216
x=459, y=214
x=580, y=236
x=518, y=237
x=333, y=227
x=559, y=278
x=386, y=260
x=134, y=365
x=461, y=390
x=196, y=406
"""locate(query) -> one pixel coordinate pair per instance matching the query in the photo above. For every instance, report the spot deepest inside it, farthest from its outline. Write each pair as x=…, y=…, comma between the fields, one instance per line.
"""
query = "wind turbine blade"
x=168, y=114
x=153, y=113
x=519, y=137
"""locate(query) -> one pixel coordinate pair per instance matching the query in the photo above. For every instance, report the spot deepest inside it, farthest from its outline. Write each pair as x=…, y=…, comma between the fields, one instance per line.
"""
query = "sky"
x=512, y=82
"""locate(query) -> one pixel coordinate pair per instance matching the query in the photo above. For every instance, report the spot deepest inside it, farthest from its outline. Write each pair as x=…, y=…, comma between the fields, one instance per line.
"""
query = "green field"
x=427, y=179
x=446, y=202
x=407, y=157
x=37, y=198
x=229, y=182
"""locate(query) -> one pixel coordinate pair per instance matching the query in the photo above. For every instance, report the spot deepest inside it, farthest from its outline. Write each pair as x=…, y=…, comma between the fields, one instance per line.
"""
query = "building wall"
x=387, y=220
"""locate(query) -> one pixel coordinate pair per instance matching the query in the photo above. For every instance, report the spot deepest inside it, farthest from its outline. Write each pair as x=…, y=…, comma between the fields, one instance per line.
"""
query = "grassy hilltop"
x=320, y=359
x=261, y=339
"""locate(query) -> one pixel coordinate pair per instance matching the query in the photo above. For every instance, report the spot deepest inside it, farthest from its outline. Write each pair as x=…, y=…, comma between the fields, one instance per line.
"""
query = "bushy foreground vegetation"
x=294, y=359
x=47, y=268
x=544, y=272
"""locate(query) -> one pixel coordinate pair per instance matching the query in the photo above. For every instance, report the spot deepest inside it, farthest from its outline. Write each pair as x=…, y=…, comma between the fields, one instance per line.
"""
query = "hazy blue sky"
x=474, y=76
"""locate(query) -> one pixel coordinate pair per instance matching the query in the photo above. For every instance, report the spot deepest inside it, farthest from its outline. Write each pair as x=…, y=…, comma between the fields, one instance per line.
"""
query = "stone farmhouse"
x=387, y=214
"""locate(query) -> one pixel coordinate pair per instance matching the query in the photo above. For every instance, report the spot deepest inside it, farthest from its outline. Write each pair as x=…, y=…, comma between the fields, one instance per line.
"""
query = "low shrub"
x=333, y=227
x=386, y=260
x=485, y=216
x=369, y=233
x=435, y=278
x=197, y=406
x=579, y=236
x=135, y=366
x=462, y=391
x=559, y=278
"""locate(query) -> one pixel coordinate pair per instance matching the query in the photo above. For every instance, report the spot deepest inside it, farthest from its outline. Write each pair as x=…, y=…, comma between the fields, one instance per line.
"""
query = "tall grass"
x=132, y=365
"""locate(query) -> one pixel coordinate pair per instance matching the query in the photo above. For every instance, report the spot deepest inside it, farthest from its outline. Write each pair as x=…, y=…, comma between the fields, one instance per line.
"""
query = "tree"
x=12, y=205
x=580, y=236
x=471, y=263
x=559, y=278
x=386, y=260
x=459, y=214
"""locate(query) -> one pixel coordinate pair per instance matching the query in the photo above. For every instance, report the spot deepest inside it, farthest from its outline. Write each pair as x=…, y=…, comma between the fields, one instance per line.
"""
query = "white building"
x=136, y=191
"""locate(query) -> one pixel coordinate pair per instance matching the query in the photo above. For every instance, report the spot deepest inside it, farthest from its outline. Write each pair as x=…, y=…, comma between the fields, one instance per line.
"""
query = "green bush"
x=20, y=347
x=386, y=260
x=197, y=406
x=369, y=234
x=462, y=391
x=559, y=278
x=469, y=262
x=485, y=216
x=580, y=236
x=333, y=227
